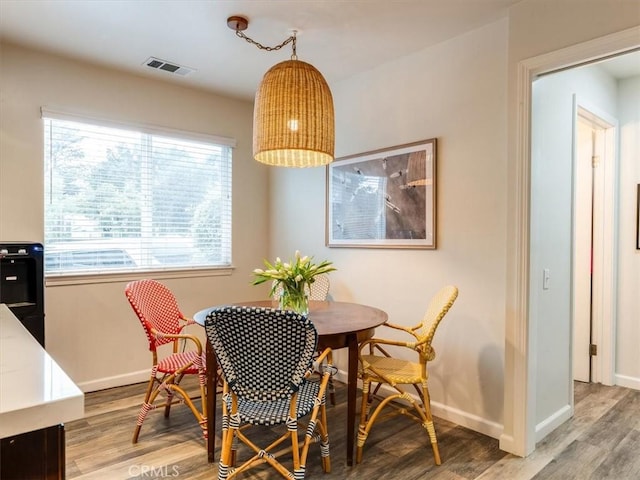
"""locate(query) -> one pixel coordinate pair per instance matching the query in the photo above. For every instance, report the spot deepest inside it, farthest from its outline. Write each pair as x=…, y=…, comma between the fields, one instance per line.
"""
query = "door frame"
x=604, y=247
x=519, y=434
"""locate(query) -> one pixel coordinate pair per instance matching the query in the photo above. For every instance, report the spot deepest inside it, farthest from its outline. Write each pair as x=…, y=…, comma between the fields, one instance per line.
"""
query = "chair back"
x=318, y=290
x=264, y=353
x=156, y=308
x=438, y=307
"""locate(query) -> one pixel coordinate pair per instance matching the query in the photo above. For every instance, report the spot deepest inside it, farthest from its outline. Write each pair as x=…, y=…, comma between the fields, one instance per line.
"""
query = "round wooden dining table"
x=339, y=325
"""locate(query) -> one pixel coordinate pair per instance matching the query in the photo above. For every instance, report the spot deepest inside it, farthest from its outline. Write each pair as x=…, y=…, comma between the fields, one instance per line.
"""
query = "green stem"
x=294, y=299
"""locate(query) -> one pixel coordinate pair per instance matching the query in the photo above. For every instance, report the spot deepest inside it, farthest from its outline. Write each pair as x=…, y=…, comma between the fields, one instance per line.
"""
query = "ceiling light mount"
x=237, y=23
x=293, y=117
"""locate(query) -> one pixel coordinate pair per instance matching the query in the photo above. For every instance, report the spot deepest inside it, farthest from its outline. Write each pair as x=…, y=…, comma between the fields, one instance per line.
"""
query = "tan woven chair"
x=380, y=368
x=319, y=289
x=158, y=312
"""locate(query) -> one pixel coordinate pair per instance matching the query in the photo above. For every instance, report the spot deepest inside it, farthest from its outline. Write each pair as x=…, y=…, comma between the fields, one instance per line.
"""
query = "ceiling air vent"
x=170, y=67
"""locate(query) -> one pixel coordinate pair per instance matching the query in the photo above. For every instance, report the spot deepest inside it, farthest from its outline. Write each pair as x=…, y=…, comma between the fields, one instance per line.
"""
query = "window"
x=127, y=198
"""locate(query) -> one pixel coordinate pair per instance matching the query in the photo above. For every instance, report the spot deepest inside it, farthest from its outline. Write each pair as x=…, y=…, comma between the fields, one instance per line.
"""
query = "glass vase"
x=296, y=300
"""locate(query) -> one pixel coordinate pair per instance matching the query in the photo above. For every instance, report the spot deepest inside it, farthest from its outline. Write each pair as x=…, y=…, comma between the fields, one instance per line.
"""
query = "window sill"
x=85, y=278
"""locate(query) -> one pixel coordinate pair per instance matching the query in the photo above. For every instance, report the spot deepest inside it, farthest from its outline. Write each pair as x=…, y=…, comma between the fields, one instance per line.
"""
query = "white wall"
x=551, y=224
x=90, y=329
x=542, y=26
x=456, y=92
x=627, y=369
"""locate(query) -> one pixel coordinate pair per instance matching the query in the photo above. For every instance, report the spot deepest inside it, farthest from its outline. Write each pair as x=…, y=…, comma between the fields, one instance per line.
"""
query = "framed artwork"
x=638, y=219
x=384, y=198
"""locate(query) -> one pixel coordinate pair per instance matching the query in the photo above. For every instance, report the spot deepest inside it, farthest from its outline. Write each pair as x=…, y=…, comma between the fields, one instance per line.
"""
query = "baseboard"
x=628, y=382
x=468, y=420
x=115, y=381
x=552, y=422
x=451, y=414
x=507, y=444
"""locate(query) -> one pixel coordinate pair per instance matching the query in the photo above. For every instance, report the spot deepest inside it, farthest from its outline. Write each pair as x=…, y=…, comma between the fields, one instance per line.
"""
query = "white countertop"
x=34, y=391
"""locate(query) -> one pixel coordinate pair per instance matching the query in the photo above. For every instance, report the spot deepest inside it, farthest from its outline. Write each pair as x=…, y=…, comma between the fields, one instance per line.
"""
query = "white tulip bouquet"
x=292, y=277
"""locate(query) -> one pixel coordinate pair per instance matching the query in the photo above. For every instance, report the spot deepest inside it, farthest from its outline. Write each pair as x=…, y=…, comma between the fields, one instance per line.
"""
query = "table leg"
x=352, y=383
x=212, y=387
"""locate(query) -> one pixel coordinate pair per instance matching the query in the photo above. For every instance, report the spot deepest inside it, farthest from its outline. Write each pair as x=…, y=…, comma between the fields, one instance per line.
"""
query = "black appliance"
x=22, y=284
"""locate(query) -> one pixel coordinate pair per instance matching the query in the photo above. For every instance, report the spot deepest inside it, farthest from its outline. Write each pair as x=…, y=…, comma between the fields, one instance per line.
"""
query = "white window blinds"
x=126, y=199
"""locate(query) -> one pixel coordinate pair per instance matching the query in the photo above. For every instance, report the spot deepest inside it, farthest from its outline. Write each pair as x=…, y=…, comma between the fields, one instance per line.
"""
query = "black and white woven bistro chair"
x=266, y=356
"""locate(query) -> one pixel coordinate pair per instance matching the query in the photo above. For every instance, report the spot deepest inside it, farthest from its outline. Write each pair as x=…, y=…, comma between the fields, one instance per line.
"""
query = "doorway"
x=523, y=345
x=593, y=180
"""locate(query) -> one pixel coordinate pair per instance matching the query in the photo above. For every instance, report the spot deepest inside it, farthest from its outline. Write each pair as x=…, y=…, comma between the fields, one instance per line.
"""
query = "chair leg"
x=167, y=405
x=176, y=390
x=144, y=409
x=234, y=451
x=136, y=431
x=170, y=389
x=173, y=380
x=292, y=426
x=324, y=441
x=202, y=379
x=316, y=430
x=429, y=424
x=364, y=413
x=226, y=460
x=332, y=391
x=232, y=433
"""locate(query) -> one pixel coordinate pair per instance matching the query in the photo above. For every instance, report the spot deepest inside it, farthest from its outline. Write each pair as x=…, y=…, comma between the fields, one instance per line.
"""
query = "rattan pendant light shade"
x=293, y=118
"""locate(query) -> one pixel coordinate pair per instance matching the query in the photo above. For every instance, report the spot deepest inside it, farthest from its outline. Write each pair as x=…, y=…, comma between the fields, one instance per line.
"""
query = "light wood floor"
x=602, y=441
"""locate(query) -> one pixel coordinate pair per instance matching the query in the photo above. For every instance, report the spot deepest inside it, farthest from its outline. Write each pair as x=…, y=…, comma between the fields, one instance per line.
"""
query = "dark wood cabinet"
x=37, y=455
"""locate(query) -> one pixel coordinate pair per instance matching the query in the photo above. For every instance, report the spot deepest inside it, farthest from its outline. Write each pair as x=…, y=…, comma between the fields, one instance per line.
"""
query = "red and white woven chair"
x=160, y=316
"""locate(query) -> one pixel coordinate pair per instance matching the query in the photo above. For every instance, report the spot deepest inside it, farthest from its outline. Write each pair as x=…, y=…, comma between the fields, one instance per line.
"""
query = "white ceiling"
x=622, y=66
x=339, y=37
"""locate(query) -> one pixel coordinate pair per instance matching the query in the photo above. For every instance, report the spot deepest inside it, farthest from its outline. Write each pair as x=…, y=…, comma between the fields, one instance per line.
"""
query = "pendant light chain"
x=292, y=38
x=293, y=46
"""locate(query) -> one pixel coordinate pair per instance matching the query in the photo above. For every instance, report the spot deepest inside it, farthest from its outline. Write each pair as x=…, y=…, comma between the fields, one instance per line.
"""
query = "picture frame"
x=383, y=198
x=638, y=218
